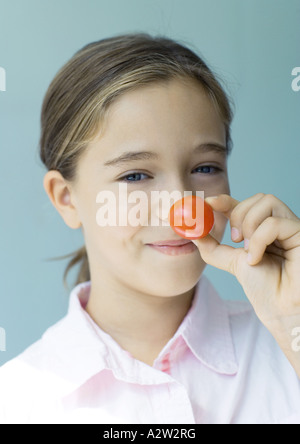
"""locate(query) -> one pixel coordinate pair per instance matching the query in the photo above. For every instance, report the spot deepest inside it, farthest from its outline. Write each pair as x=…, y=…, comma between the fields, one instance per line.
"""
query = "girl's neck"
x=141, y=324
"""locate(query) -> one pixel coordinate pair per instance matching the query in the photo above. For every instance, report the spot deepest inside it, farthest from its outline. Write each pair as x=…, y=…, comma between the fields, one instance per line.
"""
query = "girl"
x=147, y=339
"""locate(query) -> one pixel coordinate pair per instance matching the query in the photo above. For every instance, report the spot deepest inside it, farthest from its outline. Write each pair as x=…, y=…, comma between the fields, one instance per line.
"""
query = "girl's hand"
x=268, y=267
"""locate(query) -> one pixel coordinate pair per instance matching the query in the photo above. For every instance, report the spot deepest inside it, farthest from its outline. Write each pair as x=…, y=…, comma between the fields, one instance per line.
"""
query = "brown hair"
x=78, y=97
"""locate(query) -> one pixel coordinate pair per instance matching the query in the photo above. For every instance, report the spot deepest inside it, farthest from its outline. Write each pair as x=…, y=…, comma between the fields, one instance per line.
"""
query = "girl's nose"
x=162, y=201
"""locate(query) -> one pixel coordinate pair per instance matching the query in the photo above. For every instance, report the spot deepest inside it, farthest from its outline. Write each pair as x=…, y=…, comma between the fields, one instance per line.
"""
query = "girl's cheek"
x=132, y=213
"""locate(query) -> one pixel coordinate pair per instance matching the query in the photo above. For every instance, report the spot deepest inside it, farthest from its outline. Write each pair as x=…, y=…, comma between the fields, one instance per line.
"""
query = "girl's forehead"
x=175, y=90
x=163, y=117
x=170, y=108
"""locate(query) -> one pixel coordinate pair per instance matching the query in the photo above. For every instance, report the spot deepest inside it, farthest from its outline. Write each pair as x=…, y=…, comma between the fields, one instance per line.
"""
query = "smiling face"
x=180, y=129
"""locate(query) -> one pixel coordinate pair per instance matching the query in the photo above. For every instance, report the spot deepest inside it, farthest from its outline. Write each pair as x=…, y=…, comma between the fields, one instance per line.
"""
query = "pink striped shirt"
x=221, y=367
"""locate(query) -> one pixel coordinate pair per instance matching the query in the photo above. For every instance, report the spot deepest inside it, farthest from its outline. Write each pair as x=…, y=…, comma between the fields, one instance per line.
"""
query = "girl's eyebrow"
x=130, y=156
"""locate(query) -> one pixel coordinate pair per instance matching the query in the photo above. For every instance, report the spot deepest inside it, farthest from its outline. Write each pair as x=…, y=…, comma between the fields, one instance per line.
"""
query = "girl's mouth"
x=174, y=248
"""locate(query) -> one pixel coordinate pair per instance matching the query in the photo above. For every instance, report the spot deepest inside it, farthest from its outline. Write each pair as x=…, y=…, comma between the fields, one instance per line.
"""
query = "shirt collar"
x=80, y=353
x=206, y=329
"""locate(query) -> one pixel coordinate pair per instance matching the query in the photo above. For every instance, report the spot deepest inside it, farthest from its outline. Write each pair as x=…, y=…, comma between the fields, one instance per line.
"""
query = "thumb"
x=220, y=256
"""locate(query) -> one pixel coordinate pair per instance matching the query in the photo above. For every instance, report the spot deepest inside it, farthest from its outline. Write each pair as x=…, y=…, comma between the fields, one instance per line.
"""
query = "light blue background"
x=252, y=44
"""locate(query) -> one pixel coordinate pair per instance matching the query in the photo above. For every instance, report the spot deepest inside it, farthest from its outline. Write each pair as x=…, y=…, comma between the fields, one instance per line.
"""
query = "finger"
x=223, y=203
x=233, y=210
x=238, y=215
x=286, y=231
x=220, y=256
x=251, y=213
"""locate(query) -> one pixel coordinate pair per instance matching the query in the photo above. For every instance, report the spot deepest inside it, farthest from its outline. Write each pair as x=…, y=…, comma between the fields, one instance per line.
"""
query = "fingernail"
x=249, y=258
x=246, y=244
x=211, y=197
x=234, y=233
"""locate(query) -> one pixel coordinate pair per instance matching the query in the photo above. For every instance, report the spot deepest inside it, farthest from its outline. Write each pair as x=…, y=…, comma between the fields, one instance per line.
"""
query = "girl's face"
x=179, y=125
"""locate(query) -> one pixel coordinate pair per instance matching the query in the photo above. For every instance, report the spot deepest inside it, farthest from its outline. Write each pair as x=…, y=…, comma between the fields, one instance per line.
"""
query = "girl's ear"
x=60, y=193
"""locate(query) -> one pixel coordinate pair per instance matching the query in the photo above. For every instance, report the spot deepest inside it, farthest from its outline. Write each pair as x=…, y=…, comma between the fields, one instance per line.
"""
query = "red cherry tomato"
x=191, y=217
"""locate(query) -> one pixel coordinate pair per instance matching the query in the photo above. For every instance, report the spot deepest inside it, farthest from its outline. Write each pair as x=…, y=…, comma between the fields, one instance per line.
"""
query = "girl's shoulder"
x=17, y=379
x=28, y=379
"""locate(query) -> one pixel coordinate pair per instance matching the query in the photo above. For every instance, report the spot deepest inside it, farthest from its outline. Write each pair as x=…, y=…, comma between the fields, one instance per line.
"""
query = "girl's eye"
x=207, y=169
x=138, y=177
x=133, y=177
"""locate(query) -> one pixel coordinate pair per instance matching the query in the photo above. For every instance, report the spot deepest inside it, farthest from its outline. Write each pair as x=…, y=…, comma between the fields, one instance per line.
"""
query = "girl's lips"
x=171, y=250
x=172, y=243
